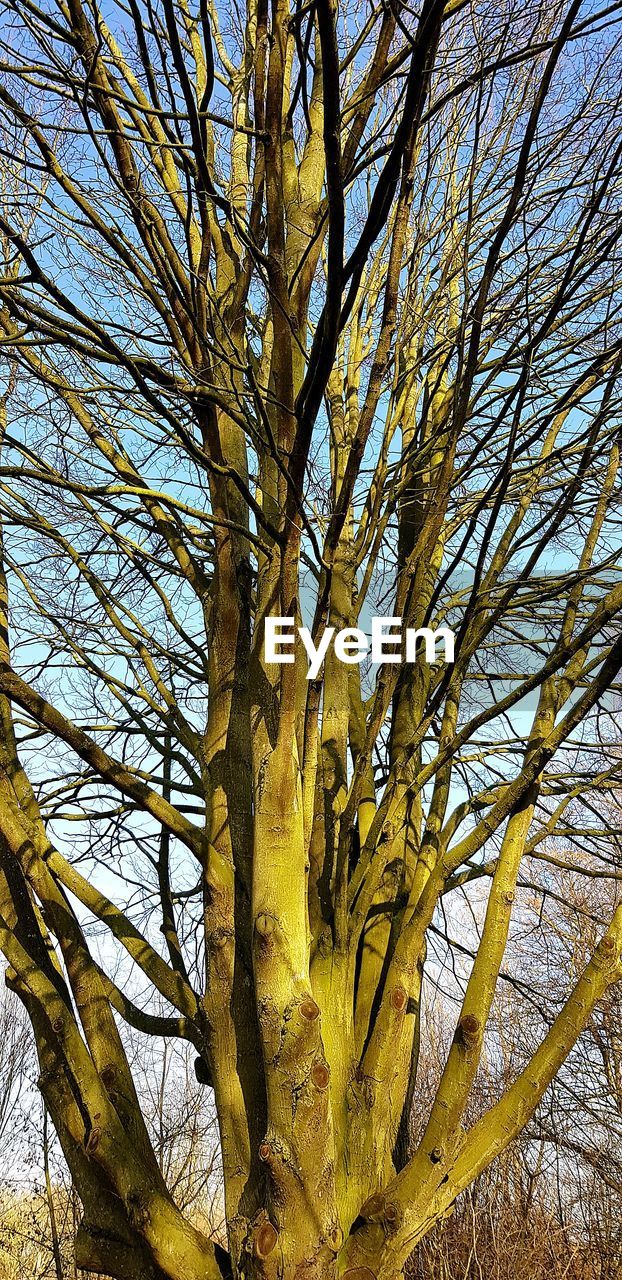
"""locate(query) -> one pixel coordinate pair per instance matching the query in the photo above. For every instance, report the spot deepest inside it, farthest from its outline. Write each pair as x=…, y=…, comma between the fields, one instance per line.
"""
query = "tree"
x=38, y=1205
x=307, y=312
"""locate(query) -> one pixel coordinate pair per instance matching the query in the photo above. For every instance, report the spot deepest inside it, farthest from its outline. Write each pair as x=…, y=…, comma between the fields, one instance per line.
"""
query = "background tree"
x=308, y=312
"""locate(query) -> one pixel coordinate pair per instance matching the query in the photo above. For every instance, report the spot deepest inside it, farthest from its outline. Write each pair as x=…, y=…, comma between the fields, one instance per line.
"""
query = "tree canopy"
x=306, y=311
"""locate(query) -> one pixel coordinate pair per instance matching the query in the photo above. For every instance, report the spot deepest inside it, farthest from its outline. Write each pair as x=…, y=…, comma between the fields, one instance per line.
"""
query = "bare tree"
x=38, y=1218
x=15, y=1051
x=307, y=313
